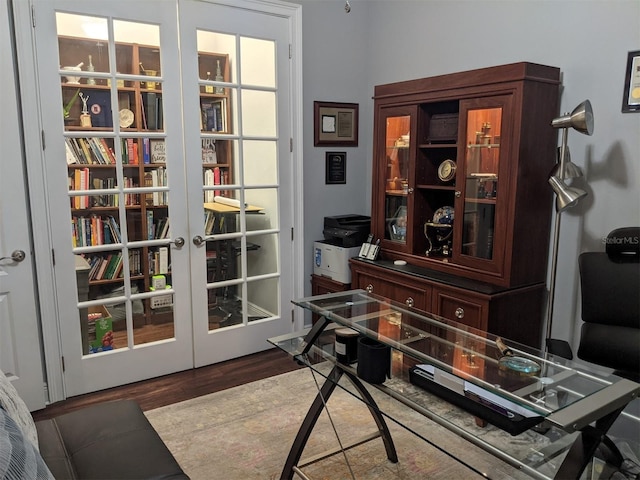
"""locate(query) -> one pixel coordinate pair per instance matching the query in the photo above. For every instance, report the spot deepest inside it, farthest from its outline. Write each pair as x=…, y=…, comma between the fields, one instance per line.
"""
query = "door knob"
x=17, y=256
x=198, y=240
x=179, y=242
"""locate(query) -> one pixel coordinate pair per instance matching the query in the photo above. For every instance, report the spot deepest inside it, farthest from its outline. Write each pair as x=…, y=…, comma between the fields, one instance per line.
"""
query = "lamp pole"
x=556, y=241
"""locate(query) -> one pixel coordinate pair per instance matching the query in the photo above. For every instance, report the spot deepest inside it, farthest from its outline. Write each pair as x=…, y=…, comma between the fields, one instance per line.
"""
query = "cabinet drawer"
x=395, y=288
x=461, y=307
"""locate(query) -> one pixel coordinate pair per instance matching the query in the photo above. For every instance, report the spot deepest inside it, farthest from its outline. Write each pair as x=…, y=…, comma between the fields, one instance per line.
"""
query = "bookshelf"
x=116, y=162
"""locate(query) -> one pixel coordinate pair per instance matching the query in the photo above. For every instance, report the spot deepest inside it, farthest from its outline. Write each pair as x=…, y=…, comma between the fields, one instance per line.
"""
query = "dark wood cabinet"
x=321, y=285
x=514, y=313
x=460, y=192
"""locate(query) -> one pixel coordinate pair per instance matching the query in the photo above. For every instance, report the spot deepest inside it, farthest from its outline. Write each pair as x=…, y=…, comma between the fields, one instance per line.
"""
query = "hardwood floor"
x=181, y=386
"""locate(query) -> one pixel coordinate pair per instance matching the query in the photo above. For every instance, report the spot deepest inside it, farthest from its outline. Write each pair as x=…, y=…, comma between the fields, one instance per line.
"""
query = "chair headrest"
x=623, y=244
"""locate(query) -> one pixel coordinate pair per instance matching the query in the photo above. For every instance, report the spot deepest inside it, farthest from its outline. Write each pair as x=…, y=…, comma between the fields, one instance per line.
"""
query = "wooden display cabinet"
x=460, y=173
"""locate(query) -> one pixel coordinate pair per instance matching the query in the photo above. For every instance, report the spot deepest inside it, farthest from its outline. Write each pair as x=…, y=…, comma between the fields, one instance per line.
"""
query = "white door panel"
x=20, y=344
x=149, y=35
x=241, y=292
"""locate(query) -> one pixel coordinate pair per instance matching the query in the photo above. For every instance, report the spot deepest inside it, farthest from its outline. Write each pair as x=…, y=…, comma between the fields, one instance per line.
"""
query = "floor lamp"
x=580, y=119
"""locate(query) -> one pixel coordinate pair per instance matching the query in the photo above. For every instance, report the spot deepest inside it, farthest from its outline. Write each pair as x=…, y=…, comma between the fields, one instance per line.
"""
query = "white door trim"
x=49, y=321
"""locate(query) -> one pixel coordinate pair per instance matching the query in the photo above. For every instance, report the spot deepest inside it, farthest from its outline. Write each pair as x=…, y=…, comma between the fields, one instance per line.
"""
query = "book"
x=107, y=153
x=100, y=108
x=163, y=261
x=165, y=229
x=148, y=182
x=157, y=151
x=146, y=151
x=70, y=154
x=150, y=225
x=216, y=180
x=149, y=107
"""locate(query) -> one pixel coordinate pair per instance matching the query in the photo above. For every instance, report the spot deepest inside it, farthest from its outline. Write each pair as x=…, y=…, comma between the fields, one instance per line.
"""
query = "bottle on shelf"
x=91, y=68
x=219, y=77
x=208, y=88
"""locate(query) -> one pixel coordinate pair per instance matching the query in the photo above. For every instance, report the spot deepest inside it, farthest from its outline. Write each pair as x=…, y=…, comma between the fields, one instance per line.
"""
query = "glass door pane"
x=397, y=146
x=481, y=165
x=240, y=175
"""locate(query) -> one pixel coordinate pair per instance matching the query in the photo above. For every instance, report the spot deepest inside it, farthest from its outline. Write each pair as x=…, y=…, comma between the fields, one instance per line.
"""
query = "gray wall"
x=383, y=41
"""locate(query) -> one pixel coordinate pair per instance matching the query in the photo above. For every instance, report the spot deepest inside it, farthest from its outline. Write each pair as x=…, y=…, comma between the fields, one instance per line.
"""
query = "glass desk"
x=543, y=415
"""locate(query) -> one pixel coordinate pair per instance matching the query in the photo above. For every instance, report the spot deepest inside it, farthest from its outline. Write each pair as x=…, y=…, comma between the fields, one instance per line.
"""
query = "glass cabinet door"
x=397, y=143
x=482, y=190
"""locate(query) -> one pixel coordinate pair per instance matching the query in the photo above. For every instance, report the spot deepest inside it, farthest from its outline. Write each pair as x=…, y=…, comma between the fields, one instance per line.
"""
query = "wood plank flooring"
x=181, y=386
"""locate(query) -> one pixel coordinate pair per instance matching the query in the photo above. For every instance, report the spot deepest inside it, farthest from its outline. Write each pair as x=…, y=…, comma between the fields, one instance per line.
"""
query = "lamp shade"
x=571, y=170
x=565, y=196
x=581, y=119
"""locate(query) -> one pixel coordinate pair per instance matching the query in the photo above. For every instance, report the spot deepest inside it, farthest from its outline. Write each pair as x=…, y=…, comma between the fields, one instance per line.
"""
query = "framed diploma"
x=335, y=124
x=631, y=95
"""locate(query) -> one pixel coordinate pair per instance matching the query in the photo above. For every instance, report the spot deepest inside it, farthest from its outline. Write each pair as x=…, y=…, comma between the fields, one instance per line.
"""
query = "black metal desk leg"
x=316, y=409
x=585, y=446
x=377, y=416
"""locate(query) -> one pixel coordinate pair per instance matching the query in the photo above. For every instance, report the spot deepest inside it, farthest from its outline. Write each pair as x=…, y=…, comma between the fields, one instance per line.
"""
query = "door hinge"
x=292, y=234
x=291, y=145
x=53, y=256
x=33, y=16
x=293, y=317
x=42, y=136
x=62, y=359
x=290, y=51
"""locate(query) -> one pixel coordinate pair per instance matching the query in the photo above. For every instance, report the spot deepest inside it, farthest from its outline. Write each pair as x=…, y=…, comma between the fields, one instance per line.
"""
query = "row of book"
x=98, y=151
x=89, y=151
x=157, y=229
x=159, y=261
x=152, y=111
x=214, y=176
x=105, y=267
x=94, y=230
x=156, y=178
x=82, y=179
x=214, y=115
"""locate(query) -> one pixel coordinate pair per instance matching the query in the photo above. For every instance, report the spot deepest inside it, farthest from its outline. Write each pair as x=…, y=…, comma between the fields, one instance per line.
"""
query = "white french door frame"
x=50, y=320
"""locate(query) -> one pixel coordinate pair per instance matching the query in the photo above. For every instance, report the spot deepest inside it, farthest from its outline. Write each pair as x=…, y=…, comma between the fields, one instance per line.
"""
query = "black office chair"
x=610, y=284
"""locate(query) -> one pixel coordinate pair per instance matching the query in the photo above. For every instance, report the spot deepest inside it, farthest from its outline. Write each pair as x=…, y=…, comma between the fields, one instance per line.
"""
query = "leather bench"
x=108, y=440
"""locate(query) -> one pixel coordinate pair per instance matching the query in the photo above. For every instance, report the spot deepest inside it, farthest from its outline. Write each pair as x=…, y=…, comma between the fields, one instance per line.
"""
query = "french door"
x=166, y=171
x=237, y=154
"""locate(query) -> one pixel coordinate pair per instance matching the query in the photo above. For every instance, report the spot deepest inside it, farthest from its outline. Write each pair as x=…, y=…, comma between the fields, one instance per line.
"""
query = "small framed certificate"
x=631, y=95
x=335, y=168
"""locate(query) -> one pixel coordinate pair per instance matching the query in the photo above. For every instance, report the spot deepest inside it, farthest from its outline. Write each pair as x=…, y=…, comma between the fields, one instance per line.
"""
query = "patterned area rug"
x=246, y=432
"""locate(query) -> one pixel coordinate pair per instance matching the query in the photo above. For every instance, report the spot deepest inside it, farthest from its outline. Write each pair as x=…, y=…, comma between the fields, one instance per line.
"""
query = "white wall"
x=384, y=41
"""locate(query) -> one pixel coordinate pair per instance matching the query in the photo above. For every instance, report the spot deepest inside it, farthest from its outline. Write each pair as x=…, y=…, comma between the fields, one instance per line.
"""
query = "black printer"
x=348, y=230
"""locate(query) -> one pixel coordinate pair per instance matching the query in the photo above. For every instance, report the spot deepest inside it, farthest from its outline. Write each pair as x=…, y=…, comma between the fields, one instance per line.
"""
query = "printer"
x=347, y=230
x=344, y=235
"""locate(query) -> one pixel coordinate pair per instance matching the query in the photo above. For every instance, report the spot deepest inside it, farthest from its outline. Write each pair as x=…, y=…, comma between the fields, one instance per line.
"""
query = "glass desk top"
x=437, y=362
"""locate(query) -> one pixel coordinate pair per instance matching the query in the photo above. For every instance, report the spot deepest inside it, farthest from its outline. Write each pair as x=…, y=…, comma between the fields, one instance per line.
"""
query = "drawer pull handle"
x=459, y=313
x=369, y=288
x=409, y=302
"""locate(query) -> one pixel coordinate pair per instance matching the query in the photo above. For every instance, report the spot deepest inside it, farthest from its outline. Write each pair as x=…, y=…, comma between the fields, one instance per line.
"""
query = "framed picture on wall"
x=335, y=168
x=631, y=95
x=335, y=124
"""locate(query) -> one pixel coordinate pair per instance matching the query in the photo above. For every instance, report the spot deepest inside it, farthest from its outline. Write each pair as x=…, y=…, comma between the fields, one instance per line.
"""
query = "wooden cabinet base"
x=514, y=313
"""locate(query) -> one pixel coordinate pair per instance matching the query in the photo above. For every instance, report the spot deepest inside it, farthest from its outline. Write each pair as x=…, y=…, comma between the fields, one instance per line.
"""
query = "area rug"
x=245, y=433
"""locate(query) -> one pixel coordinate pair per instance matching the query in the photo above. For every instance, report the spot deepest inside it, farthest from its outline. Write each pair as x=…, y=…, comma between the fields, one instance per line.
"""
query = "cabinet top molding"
x=483, y=76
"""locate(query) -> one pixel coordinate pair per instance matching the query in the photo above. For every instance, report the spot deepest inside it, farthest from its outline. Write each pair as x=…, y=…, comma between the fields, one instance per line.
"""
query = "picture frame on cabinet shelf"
x=631, y=95
x=335, y=124
x=335, y=168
